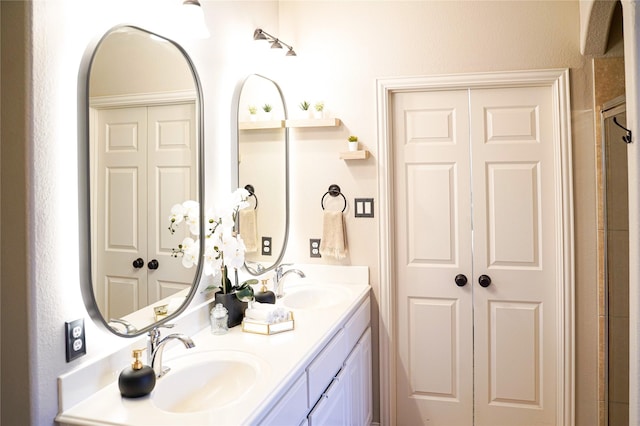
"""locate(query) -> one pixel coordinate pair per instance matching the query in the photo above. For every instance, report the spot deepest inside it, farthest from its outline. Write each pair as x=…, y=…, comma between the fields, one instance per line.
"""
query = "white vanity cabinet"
x=295, y=382
x=338, y=381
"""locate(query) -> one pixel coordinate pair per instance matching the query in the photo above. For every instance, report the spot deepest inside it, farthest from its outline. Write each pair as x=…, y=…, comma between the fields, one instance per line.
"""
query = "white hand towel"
x=249, y=229
x=269, y=314
x=334, y=235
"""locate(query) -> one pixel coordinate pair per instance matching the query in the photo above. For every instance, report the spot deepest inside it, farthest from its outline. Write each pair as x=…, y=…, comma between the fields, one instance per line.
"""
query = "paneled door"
x=477, y=217
x=145, y=165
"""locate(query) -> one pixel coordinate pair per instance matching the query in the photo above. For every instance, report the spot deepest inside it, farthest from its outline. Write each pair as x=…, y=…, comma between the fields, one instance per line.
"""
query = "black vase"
x=234, y=306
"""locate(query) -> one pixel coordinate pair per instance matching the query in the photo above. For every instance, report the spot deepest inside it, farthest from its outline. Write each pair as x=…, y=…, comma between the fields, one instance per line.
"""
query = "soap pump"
x=137, y=380
x=264, y=295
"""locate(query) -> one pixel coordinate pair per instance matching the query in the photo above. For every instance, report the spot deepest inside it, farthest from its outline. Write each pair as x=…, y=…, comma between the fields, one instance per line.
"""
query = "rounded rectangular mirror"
x=142, y=153
x=262, y=147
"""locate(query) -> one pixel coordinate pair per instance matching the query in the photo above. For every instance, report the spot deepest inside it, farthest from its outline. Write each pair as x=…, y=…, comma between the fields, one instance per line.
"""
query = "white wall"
x=343, y=46
x=46, y=275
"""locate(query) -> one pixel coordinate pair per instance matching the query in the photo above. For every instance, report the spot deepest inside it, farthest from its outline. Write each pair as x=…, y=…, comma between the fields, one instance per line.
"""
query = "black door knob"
x=461, y=280
x=484, y=280
x=138, y=263
x=153, y=264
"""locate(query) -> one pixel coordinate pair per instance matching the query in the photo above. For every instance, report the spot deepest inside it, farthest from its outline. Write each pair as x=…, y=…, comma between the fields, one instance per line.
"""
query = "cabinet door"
x=332, y=408
x=292, y=407
x=357, y=370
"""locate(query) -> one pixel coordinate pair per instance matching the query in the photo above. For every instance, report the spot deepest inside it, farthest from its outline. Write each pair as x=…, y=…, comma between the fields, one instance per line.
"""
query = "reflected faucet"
x=278, y=278
x=129, y=328
x=156, y=347
x=254, y=267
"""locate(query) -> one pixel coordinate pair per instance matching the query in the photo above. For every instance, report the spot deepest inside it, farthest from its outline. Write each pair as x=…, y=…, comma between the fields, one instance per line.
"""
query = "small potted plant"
x=267, y=111
x=353, y=143
x=319, y=109
x=252, y=113
x=304, y=106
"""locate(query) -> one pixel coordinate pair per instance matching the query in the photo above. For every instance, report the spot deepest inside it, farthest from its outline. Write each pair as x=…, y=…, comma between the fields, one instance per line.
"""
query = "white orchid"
x=189, y=212
x=224, y=248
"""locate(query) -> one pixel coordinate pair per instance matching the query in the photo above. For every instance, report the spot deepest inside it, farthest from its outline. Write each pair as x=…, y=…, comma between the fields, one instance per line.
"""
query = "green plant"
x=319, y=106
x=304, y=106
x=252, y=109
x=267, y=108
x=353, y=139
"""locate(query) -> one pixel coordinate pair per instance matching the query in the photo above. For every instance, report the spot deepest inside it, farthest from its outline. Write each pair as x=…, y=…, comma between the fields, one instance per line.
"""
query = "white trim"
x=559, y=80
x=146, y=99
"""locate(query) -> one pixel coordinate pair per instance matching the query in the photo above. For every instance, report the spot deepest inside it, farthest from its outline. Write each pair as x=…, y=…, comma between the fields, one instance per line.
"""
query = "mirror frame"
x=235, y=173
x=84, y=182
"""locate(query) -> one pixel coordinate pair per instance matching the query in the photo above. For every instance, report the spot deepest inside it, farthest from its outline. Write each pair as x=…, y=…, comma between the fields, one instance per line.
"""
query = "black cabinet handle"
x=461, y=280
x=484, y=280
x=138, y=263
x=153, y=264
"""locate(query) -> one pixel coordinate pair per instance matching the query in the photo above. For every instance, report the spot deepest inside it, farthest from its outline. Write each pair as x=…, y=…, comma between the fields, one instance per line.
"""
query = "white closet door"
x=121, y=206
x=433, y=245
x=514, y=216
x=172, y=179
x=483, y=186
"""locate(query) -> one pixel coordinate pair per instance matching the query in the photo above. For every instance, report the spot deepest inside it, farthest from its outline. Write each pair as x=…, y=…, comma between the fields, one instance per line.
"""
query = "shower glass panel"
x=616, y=239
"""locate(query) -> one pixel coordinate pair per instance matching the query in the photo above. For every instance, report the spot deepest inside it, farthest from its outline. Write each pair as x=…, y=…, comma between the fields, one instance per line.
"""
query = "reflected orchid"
x=224, y=248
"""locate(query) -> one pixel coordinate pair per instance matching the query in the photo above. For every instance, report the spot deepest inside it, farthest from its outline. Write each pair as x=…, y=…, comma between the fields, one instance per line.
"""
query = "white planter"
x=318, y=114
x=252, y=117
x=353, y=146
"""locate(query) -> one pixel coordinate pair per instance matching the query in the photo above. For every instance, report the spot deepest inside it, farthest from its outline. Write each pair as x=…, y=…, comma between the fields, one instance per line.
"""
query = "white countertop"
x=282, y=358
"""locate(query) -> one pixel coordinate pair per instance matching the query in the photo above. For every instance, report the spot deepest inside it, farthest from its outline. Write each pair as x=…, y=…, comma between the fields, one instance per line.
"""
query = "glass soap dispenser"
x=137, y=380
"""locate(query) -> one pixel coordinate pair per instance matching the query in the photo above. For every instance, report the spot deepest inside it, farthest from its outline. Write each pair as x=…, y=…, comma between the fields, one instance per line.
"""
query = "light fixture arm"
x=260, y=34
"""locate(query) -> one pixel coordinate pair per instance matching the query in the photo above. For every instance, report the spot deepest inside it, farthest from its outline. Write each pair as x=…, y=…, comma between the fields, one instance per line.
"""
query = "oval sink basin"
x=207, y=380
x=316, y=297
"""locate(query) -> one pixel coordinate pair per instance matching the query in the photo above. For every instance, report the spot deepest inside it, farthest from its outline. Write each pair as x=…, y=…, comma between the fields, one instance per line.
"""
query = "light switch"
x=364, y=207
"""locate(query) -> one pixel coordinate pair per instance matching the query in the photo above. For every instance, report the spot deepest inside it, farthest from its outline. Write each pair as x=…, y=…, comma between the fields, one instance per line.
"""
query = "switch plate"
x=266, y=246
x=314, y=247
x=74, y=339
x=364, y=207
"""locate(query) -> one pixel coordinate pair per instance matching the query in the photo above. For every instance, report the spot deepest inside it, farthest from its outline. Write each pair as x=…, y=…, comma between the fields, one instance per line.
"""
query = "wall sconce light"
x=195, y=24
x=259, y=34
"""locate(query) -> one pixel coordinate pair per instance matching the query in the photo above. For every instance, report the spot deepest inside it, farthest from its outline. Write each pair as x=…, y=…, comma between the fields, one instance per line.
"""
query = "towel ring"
x=252, y=193
x=334, y=191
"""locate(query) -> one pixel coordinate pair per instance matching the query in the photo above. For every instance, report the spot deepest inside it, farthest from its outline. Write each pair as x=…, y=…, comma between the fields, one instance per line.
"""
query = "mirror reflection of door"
x=144, y=166
x=143, y=155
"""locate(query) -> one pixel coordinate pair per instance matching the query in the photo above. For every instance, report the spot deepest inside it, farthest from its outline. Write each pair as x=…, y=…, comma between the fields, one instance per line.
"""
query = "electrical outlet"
x=314, y=247
x=266, y=246
x=74, y=339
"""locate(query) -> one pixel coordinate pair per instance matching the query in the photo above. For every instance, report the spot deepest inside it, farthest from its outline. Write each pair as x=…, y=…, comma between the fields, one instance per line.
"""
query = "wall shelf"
x=258, y=125
x=313, y=122
x=355, y=155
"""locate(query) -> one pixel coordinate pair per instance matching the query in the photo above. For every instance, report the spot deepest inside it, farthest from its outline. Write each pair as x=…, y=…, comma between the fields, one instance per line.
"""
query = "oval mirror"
x=262, y=149
x=141, y=150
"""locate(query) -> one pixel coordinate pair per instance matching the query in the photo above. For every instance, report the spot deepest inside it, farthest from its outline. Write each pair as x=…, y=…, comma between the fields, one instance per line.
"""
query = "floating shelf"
x=313, y=122
x=355, y=155
x=257, y=125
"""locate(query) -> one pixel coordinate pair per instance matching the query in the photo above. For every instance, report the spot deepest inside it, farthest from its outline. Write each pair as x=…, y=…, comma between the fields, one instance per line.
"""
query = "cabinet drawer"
x=358, y=323
x=325, y=366
x=292, y=408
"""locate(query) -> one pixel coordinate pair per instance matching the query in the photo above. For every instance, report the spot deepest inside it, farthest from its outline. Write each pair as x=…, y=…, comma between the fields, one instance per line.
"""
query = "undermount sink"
x=313, y=297
x=207, y=380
